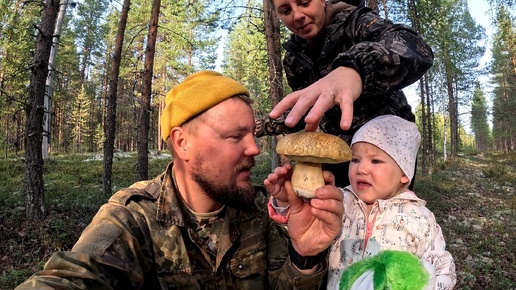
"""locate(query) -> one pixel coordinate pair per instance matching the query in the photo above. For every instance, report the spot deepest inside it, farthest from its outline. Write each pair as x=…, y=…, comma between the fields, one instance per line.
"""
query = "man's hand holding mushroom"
x=313, y=225
x=315, y=210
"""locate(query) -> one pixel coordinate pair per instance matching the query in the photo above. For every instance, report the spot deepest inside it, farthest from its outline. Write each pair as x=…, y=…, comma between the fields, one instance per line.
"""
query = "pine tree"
x=458, y=45
x=111, y=100
x=245, y=57
x=479, y=124
x=146, y=93
x=17, y=43
x=504, y=79
x=35, y=206
x=79, y=119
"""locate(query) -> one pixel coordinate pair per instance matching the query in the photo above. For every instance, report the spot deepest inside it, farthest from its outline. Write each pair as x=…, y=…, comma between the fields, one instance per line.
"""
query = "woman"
x=346, y=66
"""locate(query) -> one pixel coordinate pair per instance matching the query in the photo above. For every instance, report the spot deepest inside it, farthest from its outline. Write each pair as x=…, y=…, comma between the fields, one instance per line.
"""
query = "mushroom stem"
x=306, y=178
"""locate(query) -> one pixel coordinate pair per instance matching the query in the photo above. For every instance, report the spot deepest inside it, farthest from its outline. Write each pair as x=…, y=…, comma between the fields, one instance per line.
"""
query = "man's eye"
x=354, y=160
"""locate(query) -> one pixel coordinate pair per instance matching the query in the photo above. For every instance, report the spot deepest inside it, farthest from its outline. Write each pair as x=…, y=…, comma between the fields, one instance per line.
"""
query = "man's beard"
x=241, y=198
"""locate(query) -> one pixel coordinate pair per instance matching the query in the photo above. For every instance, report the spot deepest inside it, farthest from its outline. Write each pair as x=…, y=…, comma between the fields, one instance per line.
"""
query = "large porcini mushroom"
x=310, y=150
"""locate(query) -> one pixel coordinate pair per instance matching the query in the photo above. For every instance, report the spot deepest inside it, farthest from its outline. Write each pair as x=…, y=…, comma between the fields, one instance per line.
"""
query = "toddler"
x=380, y=213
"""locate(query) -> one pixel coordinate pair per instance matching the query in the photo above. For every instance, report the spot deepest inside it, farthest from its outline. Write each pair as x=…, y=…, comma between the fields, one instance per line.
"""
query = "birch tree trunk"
x=452, y=111
x=428, y=129
x=51, y=63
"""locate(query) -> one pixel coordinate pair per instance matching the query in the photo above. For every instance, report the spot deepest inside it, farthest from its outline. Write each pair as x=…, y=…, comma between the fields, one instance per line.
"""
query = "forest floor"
x=472, y=196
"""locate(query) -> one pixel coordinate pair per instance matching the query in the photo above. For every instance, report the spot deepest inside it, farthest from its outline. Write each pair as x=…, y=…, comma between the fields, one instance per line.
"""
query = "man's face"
x=225, y=150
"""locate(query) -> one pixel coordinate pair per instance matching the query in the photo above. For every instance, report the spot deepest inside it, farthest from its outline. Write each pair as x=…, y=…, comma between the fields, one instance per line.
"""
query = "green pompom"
x=393, y=270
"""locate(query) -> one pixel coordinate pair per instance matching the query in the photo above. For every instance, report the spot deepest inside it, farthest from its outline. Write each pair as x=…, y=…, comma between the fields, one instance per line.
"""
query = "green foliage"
x=16, y=56
x=15, y=277
x=12, y=175
x=188, y=39
x=497, y=171
x=99, y=138
x=66, y=85
x=479, y=123
x=441, y=133
x=503, y=70
x=245, y=56
x=78, y=120
x=458, y=44
x=90, y=26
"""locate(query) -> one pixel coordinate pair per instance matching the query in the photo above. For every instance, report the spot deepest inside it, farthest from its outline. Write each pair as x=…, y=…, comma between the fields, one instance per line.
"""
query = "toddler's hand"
x=275, y=183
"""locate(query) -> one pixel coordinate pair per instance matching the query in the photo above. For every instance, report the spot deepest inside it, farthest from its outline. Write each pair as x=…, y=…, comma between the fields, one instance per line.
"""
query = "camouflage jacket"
x=139, y=240
x=388, y=57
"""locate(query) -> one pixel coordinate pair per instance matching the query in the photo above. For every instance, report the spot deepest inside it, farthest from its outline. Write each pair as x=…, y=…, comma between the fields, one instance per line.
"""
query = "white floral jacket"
x=400, y=223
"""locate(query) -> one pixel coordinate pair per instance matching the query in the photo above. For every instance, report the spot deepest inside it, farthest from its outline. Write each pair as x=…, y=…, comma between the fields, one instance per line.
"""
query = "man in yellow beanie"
x=201, y=224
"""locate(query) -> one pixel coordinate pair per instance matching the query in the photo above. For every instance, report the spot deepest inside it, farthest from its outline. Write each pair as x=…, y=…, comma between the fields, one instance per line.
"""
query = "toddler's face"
x=373, y=174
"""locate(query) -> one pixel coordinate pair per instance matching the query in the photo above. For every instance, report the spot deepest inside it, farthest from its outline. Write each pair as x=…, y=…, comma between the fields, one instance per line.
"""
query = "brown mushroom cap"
x=310, y=149
x=314, y=147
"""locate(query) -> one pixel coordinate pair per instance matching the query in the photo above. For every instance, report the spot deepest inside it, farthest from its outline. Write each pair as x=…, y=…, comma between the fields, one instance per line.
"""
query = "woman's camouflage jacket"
x=387, y=56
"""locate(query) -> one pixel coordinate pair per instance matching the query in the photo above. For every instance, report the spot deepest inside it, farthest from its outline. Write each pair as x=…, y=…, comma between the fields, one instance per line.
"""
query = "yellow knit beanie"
x=194, y=95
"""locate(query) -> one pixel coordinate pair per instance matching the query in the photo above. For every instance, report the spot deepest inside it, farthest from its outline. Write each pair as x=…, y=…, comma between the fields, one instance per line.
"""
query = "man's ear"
x=179, y=140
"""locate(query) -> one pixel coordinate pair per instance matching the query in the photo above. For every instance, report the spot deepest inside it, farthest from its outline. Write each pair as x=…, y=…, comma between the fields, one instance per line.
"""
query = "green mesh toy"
x=388, y=270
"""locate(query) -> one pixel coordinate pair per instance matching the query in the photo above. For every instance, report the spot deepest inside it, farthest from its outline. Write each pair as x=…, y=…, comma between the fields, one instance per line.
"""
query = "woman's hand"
x=341, y=86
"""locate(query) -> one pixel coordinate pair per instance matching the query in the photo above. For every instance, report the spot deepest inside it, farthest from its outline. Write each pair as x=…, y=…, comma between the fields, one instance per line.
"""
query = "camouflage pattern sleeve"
x=112, y=253
x=286, y=276
x=388, y=56
x=272, y=127
x=290, y=278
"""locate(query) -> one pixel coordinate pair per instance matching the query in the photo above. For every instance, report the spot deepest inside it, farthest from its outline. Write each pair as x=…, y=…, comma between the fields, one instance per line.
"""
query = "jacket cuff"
x=274, y=215
x=306, y=281
x=351, y=63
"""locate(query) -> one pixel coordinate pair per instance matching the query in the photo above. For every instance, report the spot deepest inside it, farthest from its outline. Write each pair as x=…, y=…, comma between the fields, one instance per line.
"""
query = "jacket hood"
x=334, y=8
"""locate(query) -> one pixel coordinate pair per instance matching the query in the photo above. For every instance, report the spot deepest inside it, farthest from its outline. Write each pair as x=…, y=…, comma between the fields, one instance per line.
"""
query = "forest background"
x=90, y=77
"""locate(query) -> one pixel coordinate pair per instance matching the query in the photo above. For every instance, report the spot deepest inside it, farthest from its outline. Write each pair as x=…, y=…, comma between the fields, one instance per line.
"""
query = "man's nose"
x=252, y=147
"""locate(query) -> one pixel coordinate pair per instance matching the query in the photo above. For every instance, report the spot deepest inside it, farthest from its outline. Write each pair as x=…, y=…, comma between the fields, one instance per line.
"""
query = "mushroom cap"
x=314, y=147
